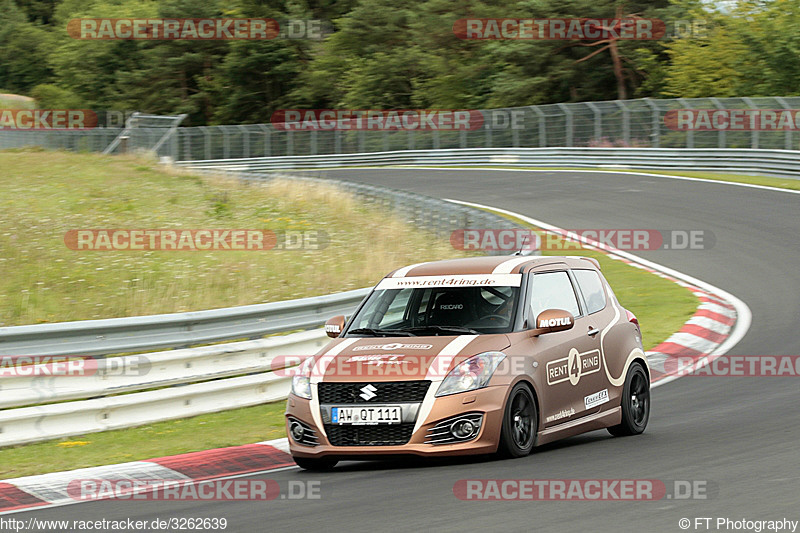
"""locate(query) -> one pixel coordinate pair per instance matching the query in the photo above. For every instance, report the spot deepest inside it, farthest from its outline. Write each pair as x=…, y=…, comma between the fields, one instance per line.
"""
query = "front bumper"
x=489, y=402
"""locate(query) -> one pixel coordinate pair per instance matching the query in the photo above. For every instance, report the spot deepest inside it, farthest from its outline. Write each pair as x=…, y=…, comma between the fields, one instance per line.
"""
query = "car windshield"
x=436, y=311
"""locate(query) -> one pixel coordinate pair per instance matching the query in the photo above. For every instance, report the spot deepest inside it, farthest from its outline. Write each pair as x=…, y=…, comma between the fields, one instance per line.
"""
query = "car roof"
x=491, y=265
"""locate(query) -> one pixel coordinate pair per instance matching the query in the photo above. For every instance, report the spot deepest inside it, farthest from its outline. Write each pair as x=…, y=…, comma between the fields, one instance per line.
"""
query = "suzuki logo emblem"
x=368, y=392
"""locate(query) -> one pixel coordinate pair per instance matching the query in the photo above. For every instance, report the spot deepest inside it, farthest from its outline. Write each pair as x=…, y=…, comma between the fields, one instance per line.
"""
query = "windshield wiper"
x=442, y=329
x=381, y=332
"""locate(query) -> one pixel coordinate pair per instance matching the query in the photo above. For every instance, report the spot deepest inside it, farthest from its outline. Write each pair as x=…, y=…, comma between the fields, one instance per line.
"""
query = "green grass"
x=15, y=101
x=43, y=194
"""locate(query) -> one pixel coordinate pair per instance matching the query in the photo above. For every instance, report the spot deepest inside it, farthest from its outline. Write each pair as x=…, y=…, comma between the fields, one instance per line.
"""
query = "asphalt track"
x=741, y=435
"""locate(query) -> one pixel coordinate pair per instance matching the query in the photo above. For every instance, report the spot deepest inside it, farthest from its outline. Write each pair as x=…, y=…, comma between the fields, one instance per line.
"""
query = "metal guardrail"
x=773, y=162
x=89, y=378
x=28, y=414
x=135, y=334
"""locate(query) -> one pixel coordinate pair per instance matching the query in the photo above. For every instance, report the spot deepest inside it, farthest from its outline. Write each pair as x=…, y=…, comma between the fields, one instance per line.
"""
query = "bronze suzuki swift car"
x=472, y=356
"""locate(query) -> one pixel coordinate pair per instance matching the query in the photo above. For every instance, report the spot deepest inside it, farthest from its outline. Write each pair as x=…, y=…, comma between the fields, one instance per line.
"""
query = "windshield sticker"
x=393, y=346
x=465, y=280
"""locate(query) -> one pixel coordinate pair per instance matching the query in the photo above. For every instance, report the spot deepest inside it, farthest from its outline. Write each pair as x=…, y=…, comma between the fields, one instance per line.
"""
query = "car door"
x=600, y=313
x=570, y=359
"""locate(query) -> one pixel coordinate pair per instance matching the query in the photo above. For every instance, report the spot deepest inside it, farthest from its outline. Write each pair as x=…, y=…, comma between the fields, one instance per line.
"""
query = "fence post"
x=598, y=121
x=569, y=124
x=787, y=143
x=626, y=122
x=542, y=126
x=721, y=137
x=655, y=124
x=754, y=133
x=206, y=142
x=689, y=133
x=245, y=141
x=267, y=144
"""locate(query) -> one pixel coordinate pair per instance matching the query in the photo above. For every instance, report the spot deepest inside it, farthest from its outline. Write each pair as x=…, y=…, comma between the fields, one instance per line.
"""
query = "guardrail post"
x=569, y=125
x=289, y=143
x=436, y=139
x=313, y=142
x=337, y=141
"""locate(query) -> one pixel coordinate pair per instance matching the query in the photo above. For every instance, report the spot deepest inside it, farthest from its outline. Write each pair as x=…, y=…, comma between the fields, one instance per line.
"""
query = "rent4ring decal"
x=573, y=367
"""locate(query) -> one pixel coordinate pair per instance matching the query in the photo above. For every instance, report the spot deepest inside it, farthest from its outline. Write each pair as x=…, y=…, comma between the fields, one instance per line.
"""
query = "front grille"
x=385, y=392
x=382, y=435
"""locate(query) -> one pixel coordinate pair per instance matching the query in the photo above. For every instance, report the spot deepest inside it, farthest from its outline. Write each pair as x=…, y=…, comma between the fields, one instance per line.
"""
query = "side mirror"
x=552, y=320
x=334, y=326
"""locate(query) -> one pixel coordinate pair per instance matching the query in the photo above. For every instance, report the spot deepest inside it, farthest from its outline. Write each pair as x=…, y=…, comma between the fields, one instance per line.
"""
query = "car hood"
x=400, y=358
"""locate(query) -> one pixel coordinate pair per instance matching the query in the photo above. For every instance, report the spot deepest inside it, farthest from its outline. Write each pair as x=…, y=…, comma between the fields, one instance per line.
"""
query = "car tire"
x=520, y=423
x=315, y=465
x=635, y=403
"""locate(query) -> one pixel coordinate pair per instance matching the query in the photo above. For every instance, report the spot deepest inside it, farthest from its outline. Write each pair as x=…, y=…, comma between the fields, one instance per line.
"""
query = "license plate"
x=385, y=414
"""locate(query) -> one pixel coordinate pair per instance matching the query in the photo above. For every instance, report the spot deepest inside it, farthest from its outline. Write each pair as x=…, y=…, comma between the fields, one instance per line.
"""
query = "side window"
x=553, y=290
x=592, y=289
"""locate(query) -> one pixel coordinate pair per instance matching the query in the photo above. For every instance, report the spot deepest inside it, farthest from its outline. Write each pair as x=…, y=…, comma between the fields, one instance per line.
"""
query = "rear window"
x=592, y=289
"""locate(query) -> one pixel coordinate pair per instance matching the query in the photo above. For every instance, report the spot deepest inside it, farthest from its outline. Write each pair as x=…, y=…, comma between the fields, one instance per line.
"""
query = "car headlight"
x=301, y=381
x=471, y=374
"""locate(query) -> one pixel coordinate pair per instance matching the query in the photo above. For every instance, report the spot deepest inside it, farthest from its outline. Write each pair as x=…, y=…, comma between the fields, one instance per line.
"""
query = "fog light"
x=461, y=429
x=297, y=431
